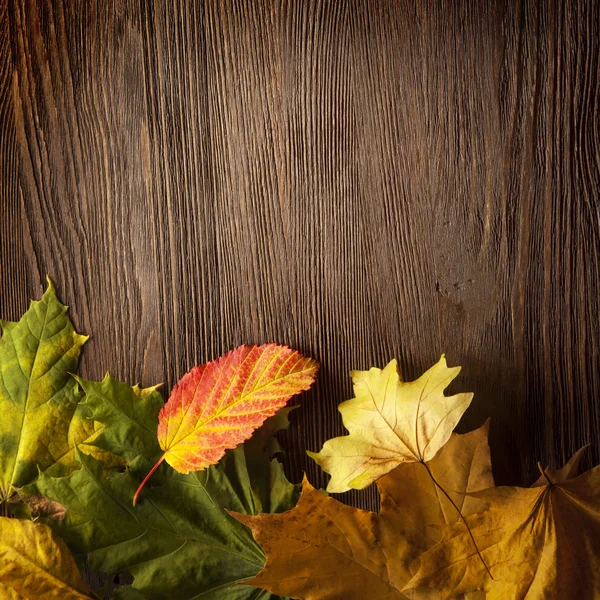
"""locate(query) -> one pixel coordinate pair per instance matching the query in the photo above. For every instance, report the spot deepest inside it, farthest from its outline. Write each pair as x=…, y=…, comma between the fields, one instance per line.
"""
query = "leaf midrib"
x=29, y=379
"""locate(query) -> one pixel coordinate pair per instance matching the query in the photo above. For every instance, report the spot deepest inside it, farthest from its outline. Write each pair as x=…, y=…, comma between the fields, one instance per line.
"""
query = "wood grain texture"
x=360, y=180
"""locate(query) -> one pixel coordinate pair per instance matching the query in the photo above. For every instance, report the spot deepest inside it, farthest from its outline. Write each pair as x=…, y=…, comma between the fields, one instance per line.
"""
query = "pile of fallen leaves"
x=189, y=499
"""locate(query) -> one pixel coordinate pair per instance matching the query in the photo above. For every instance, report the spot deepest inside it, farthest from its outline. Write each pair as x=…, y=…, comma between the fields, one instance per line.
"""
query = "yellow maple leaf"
x=569, y=471
x=413, y=509
x=391, y=422
x=538, y=542
x=34, y=563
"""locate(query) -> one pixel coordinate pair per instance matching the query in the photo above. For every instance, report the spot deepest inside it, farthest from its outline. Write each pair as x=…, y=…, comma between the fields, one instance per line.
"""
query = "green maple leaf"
x=127, y=417
x=178, y=542
x=249, y=480
x=38, y=397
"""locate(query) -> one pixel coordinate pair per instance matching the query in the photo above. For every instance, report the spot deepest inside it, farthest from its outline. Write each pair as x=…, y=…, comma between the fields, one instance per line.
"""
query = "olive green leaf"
x=35, y=563
x=250, y=479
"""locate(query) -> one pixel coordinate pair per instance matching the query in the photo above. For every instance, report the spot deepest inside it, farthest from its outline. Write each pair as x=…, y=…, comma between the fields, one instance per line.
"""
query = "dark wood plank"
x=359, y=180
x=13, y=283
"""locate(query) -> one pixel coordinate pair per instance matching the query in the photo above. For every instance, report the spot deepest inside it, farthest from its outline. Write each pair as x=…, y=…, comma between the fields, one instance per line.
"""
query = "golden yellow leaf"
x=414, y=509
x=321, y=549
x=539, y=542
x=324, y=549
x=36, y=564
x=391, y=422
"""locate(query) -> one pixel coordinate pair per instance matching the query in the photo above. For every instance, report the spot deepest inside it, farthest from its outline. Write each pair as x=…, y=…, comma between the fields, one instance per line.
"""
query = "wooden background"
x=360, y=180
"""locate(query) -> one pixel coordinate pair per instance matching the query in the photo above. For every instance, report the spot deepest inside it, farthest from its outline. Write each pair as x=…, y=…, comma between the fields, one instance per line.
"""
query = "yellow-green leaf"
x=391, y=422
x=34, y=563
x=37, y=395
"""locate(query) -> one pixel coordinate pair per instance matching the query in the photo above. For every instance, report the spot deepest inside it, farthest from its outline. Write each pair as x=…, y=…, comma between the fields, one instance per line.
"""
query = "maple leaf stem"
x=462, y=518
x=137, y=492
x=5, y=509
x=544, y=474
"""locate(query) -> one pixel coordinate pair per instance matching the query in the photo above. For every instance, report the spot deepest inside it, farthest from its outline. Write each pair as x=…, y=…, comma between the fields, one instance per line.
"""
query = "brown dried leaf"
x=324, y=549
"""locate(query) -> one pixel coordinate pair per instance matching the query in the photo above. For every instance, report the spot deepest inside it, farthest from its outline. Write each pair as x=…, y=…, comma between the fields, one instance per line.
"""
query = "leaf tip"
x=51, y=289
x=313, y=455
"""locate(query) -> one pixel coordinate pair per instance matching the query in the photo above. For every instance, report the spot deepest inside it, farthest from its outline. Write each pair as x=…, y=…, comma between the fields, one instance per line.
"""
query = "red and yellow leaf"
x=218, y=405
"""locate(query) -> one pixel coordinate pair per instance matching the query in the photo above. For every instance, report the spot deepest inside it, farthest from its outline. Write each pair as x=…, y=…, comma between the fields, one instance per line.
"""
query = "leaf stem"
x=462, y=518
x=5, y=509
x=544, y=474
x=137, y=492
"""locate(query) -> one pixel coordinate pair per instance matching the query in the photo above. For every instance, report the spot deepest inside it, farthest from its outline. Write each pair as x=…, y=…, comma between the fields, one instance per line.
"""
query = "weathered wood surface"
x=360, y=180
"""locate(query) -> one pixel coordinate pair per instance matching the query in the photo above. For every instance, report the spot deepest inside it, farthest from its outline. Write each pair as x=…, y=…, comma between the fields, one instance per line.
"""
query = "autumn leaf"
x=178, y=543
x=35, y=506
x=38, y=397
x=35, y=563
x=391, y=422
x=539, y=542
x=323, y=549
x=218, y=405
x=414, y=512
